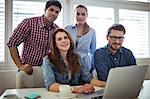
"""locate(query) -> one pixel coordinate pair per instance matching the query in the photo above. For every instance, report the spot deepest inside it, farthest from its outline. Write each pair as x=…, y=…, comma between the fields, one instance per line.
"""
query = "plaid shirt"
x=36, y=38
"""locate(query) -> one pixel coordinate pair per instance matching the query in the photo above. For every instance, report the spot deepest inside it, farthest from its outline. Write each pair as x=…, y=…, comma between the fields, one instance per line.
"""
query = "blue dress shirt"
x=51, y=75
x=104, y=60
x=86, y=45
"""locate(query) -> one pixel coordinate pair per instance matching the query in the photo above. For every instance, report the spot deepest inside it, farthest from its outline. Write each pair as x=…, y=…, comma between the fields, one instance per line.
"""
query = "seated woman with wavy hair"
x=62, y=66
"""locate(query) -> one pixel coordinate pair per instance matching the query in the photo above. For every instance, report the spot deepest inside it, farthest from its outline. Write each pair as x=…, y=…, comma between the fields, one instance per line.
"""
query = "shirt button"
x=115, y=58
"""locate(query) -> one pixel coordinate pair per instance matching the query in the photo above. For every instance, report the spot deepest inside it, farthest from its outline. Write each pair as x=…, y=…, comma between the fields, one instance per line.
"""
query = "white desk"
x=144, y=93
x=47, y=94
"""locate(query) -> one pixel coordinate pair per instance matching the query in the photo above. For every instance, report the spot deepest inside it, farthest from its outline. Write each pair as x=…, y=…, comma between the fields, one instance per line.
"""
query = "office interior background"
x=133, y=14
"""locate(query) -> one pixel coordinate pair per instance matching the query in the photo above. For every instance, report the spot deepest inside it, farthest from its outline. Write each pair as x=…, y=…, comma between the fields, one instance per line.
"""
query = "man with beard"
x=35, y=34
x=113, y=54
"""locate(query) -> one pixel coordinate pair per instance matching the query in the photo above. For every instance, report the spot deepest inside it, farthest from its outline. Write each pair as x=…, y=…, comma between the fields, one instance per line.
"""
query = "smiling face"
x=51, y=13
x=62, y=41
x=115, y=40
x=81, y=15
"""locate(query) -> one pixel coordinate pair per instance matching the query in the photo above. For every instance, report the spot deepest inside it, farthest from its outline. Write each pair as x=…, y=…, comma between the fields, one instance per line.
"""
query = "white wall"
x=7, y=80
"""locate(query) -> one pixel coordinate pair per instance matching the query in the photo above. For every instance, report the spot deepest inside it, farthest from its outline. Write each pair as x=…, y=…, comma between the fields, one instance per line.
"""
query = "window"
x=21, y=10
x=138, y=0
x=100, y=22
x=136, y=37
x=2, y=29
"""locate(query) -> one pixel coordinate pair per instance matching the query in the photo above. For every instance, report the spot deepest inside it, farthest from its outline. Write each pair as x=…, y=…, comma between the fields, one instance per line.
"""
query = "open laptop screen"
x=124, y=82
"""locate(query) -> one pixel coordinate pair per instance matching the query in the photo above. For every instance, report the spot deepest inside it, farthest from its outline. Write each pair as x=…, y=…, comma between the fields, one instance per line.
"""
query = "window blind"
x=136, y=37
x=138, y=0
x=2, y=29
x=22, y=10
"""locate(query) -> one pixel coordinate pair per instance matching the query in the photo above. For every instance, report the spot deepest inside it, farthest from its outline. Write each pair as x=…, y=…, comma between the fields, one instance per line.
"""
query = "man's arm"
x=92, y=49
x=19, y=35
x=15, y=56
x=101, y=64
x=131, y=58
x=99, y=83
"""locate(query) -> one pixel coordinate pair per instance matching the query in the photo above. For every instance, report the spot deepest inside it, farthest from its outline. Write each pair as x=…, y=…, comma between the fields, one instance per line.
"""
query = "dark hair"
x=86, y=26
x=53, y=2
x=72, y=57
x=118, y=27
x=82, y=6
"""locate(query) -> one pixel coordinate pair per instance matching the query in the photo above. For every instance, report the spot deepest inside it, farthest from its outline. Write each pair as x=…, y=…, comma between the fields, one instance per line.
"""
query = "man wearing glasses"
x=113, y=54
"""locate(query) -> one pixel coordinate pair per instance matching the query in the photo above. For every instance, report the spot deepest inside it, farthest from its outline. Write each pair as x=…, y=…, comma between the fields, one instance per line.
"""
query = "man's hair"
x=118, y=27
x=53, y=2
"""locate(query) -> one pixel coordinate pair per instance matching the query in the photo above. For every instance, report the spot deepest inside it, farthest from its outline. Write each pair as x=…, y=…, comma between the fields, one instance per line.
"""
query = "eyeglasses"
x=114, y=38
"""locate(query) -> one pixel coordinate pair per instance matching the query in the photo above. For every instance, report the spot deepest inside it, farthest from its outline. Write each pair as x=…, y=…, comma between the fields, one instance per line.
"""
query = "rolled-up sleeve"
x=20, y=33
x=93, y=47
x=130, y=58
x=48, y=73
x=86, y=75
x=100, y=63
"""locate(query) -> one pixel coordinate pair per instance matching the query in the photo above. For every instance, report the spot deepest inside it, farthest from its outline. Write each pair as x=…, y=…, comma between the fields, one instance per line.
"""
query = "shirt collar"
x=42, y=23
x=74, y=26
x=108, y=51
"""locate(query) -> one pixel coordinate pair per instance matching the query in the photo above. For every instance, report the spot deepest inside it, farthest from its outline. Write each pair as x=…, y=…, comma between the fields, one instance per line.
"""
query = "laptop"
x=124, y=82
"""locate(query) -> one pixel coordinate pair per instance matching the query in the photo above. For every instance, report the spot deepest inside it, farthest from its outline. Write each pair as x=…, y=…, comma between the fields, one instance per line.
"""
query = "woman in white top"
x=83, y=36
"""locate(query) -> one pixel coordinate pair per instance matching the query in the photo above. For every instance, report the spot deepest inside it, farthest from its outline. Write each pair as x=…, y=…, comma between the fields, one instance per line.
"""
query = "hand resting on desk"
x=86, y=89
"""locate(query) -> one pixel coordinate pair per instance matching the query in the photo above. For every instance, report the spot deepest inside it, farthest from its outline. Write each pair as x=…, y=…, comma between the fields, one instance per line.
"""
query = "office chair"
x=23, y=80
x=147, y=76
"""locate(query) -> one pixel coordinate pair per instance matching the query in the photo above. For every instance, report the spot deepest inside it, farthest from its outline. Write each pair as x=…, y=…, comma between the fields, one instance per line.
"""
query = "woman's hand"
x=86, y=89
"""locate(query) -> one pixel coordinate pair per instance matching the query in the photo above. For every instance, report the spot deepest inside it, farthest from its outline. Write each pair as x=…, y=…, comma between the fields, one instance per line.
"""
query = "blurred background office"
x=133, y=14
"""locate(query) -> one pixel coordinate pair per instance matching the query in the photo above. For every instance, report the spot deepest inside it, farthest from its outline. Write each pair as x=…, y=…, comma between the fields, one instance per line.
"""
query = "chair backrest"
x=147, y=76
x=23, y=80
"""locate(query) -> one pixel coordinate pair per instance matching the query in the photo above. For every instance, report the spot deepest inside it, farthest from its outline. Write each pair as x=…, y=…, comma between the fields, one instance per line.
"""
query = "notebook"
x=124, y=82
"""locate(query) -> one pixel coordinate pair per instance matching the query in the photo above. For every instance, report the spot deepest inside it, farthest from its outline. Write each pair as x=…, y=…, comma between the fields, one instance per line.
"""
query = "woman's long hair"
x=86, y=27
x=56, y=59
